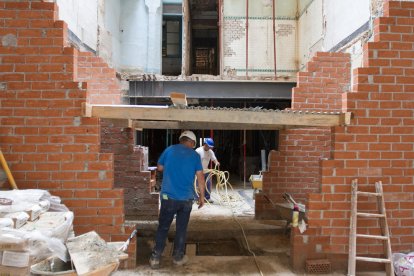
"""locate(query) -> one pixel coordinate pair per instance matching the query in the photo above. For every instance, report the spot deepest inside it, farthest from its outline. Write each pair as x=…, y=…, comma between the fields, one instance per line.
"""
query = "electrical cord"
x=222, y=189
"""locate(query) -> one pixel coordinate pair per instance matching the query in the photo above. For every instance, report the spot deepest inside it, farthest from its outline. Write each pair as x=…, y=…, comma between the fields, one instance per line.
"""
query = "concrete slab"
x=230, y=217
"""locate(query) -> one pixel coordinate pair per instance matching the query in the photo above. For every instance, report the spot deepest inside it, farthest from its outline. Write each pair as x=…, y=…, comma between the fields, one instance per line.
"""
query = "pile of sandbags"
x=33, y=226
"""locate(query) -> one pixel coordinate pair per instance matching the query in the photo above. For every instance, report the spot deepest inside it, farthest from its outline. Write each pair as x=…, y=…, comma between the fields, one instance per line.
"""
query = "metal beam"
x=212, y=89
x=139, y=124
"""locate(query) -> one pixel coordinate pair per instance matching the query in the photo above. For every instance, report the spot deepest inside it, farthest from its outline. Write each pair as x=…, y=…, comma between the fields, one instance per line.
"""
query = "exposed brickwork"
x=378, y=145
x=46, y=141
x=103, y=85
x=295, y=167
x=130, y=172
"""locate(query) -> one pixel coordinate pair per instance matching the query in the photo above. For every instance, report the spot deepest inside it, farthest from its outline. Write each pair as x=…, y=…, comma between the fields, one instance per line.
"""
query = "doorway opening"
x=204, y=30
x=171, y=45
x=238, y=151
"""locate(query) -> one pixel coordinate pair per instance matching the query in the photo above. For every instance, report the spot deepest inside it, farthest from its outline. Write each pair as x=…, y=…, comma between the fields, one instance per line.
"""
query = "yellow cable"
x=222, y=184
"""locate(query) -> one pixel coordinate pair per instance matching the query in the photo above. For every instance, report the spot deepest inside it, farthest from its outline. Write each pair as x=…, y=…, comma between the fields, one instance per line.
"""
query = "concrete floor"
x=220, y=236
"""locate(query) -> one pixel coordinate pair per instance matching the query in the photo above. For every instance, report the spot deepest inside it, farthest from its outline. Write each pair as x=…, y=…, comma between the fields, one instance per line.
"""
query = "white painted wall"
x=82, y=19
x=109, y=32
x=141, y=36
x=134, y=39
x=130, y=31
x=310, y=30
x=154, y=33
x=328, y=24
x=342, y=19
x=260, y=38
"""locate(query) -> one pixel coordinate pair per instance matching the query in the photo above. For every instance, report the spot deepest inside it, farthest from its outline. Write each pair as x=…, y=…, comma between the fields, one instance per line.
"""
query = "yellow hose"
x=7, y=170
x=223, y=184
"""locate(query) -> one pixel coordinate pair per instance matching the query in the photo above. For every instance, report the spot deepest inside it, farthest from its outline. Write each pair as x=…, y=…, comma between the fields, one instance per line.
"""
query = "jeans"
x=208, y=185
x=169, y=208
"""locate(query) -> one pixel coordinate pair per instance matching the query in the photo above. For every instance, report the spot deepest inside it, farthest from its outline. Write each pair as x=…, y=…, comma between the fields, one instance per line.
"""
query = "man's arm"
x=160, y=168
x=201, y=187
x=214, y=158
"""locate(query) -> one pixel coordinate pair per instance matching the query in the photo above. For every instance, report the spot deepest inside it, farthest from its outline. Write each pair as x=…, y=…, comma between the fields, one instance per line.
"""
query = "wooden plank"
x=352, y=229
x=368, y=194
x=370, y=215
x=374, y=260
x=384, y=227
x=376, y=237
x=264, y=118
x=191, y=249
x=178, y=99
x=119, y=122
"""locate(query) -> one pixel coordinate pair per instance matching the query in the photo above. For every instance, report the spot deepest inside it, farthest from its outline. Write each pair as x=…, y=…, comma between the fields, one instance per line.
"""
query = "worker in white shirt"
x=207, y=154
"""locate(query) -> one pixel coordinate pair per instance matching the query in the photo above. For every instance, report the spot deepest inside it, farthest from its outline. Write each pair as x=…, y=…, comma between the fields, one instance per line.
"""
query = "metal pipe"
x=244, y=158
x=211, y=130
x=220, y=51
x=247, y=39
x=274, y=36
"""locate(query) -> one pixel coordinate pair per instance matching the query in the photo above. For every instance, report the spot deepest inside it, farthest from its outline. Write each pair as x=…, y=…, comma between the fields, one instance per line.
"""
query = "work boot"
x=182, y=261
x=154, y=262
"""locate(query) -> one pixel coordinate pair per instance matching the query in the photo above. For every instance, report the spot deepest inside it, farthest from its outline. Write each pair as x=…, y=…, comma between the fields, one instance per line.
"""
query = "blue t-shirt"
x=180, y=166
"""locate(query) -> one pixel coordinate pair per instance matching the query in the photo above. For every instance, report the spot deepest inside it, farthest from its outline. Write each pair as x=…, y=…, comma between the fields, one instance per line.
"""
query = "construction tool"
x=384, y=237
x=124, y=247
x=289, y=198
x=7, y=171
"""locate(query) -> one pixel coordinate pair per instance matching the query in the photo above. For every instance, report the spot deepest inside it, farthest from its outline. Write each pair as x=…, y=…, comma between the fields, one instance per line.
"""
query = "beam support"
x=215, y=118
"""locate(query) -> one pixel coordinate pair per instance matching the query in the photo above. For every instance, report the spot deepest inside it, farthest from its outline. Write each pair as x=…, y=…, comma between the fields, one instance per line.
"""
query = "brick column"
x=377, y=146
x=295, y=167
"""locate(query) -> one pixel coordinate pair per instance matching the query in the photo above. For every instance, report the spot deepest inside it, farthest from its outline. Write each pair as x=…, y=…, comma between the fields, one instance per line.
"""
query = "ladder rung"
x=372, y=215
x=372, y=237
x=368, y=193
x=374, y=260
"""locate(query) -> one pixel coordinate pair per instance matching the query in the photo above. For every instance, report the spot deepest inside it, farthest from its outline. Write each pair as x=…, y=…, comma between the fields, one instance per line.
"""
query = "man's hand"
x=201, y=187
x=200, y=202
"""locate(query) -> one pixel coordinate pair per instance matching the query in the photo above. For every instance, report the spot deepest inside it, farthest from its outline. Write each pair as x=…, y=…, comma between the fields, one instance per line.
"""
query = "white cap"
x=189, y=134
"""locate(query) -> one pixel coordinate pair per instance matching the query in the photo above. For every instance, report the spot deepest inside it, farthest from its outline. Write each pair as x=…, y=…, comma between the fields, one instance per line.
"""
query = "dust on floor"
x=231, y=214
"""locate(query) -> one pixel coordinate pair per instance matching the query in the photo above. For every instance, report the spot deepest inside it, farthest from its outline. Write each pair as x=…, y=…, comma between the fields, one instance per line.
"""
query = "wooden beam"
x=119, y=122
x=270, y=118
x=178, y=99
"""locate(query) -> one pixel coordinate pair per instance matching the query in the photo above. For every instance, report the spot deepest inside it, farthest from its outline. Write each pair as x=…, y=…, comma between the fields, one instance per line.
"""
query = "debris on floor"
x=36, y=235
x=91, y=254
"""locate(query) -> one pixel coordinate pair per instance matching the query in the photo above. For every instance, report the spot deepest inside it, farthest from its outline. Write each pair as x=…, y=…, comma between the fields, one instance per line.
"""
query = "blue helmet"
x=209, y=142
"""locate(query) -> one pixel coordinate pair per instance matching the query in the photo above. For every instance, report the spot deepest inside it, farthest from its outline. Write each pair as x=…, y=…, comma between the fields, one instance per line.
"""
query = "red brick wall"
x=131, y=173
x=46, y=141
x=103, y=85
x=295, y=167
x=378, y=145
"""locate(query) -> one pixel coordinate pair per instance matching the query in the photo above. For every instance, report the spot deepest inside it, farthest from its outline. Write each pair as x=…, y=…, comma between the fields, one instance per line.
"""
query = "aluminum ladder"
x=353, y=235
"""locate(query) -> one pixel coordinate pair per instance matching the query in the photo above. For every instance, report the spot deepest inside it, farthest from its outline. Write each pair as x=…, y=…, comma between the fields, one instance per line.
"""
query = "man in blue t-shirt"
x=179, y=164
